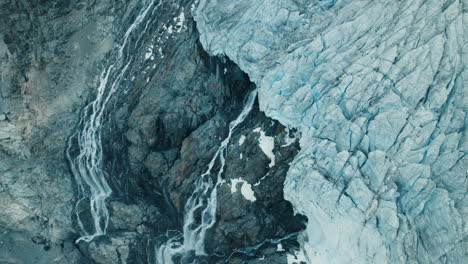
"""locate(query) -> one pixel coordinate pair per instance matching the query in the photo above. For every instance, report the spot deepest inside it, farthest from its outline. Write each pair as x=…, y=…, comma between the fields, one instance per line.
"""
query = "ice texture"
x=377, y=90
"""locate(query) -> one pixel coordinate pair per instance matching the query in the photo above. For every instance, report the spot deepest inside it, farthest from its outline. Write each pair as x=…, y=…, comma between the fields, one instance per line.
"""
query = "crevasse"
x=378, y=91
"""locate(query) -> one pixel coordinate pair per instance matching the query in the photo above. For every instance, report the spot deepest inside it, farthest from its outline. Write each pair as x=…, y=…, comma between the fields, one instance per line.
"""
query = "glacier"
x=377, y=90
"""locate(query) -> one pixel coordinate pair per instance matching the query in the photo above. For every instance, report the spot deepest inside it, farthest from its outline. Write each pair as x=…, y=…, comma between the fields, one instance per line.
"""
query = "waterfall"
x=204, y=198
x=87, y=165
x=169, y=249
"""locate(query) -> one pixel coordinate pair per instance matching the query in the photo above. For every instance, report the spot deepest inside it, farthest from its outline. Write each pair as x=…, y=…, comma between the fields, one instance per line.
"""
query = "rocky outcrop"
x=360, y=123
x=173, y=154
x=378, y=90
x=169, y=113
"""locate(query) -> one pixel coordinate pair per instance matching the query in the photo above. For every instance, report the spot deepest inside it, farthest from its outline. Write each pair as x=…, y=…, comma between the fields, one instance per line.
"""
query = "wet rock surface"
x=360, y=122
x=49, y=53
x=163, y=125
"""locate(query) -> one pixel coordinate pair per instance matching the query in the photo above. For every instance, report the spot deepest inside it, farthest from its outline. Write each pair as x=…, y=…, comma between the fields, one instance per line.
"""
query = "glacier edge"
x=378, y=92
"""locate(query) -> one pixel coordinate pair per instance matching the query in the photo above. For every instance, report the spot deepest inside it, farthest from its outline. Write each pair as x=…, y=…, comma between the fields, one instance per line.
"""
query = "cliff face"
x=50, y=54
x=168, y=110
x=129, y=133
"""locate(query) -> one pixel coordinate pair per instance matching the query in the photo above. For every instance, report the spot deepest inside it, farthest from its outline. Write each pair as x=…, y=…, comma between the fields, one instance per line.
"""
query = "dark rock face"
x=243, y=222
x=163, y=125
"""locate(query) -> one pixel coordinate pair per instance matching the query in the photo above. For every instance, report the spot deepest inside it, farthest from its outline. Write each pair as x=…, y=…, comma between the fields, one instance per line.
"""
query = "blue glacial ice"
x=378, y=91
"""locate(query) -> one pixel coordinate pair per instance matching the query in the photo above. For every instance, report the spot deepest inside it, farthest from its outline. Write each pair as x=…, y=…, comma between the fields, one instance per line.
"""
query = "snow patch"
x=180, y=21
x=241, y=140
x=247, y=192
x=279, y=248
x=169, y=29
x=266, y=144
x=246, y=189
x=149, y=52
x=288, y=139
x=297, y=258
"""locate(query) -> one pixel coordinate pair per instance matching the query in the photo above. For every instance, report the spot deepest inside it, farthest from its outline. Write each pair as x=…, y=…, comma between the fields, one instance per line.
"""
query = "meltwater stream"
x=87, y=162
x=204, y=199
